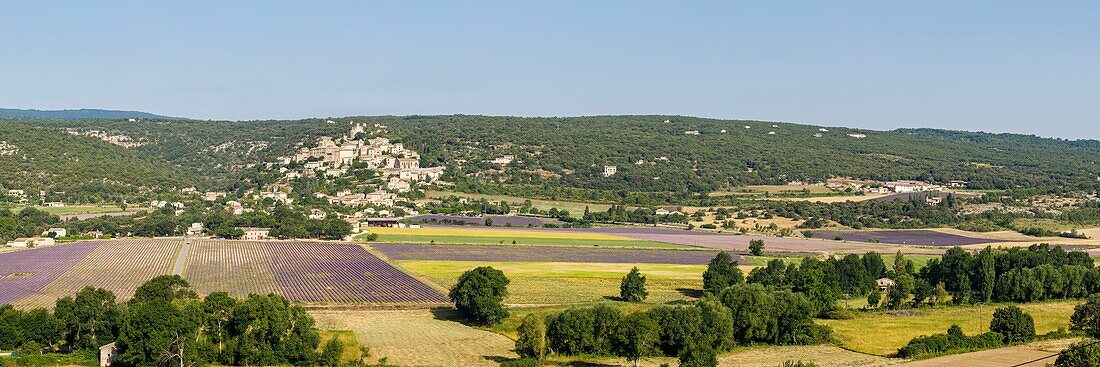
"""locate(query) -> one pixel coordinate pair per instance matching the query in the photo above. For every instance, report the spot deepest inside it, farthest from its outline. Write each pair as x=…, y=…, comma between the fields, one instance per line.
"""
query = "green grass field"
x=347, y=337
x=573, y=207
x=882, y=333
x=489, y=236
x=552, y=283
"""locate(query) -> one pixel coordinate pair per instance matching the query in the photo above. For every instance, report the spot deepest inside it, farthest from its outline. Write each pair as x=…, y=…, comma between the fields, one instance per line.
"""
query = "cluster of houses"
x=46, y=239
x=8, y=148
x=116, y=139
x=335, y=156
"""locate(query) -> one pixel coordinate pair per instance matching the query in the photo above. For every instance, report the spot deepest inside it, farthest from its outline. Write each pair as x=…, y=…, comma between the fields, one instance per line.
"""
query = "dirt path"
x=181, y=259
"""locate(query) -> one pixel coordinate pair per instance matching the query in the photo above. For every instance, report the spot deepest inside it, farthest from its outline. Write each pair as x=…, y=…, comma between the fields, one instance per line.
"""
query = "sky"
x=996, y=66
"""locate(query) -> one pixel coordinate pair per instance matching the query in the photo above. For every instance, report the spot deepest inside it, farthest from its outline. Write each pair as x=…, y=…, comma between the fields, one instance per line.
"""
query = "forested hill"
x=79, y=114
x=652, y=153
x=572, y=152
x=78, y=168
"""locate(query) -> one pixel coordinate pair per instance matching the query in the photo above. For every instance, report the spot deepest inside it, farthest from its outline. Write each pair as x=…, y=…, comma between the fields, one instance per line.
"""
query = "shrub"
x=954, y=341
x=1015, y=324
x=531, y=342
x=696, y=355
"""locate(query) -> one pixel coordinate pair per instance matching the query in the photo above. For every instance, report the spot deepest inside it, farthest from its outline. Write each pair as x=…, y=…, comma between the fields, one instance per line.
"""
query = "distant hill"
x=79, y=168
x=81, y=114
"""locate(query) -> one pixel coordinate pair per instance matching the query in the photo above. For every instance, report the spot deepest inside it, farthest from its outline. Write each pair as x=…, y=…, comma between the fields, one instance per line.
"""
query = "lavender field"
x=498, y=220
x=342, y=273
x=314, y=272
x=494, y=253
x=919, y=237
x=25, y=273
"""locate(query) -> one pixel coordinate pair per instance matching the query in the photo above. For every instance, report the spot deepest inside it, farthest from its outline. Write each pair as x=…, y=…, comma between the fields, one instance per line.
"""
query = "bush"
x=479, y=293
x=954, y=341
x=1015, y=324
x=632, y=288
x=531, y=343
x=798, y=364
x=696, y=355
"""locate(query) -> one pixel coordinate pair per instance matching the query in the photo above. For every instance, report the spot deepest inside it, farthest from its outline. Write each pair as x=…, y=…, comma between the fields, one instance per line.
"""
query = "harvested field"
x=1011, y=356
x=893, y=330
x=24, y=273
x=498, y=220
x=119, y=266
x=496, y=253
x=921, y=237
x=419, y=338
x=209, y=263
x=543, y=283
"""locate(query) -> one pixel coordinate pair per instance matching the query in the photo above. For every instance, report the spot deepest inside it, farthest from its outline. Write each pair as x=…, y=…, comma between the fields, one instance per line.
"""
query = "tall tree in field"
x=721, y=273
x=632, y=288
x=986, y=273
x=479, y=294
x=637, y=337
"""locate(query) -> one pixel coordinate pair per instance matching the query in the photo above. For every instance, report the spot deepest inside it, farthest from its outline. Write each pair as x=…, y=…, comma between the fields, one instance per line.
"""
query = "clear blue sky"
x=992, y=66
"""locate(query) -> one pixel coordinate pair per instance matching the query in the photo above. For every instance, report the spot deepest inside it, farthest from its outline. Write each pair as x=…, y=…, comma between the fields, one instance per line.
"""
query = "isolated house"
x=885, y=283
x=255, y=233
x=57, y=232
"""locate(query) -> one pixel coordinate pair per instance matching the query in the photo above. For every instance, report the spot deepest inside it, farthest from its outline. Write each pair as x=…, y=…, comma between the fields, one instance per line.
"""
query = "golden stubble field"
x=419, y=338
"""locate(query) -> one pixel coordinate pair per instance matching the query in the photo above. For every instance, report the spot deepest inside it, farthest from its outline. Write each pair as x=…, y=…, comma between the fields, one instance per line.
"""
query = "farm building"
x=255, y=233
x=31, y=242
x=107, y=354
x=910, y=186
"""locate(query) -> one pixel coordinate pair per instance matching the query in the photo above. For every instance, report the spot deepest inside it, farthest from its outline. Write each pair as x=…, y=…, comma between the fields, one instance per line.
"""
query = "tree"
x=1086, y=317
x=1015, y=324
x=1080, y=354
x=330, y=355
x=698, y=355
x=637, y=337
x=874, y=298
x=756, y=247
x=721, y=273
x=632, y=288
x=531, y=342
x=165, y=288
x=986, y=273
x=160, y=333
x=479, y=294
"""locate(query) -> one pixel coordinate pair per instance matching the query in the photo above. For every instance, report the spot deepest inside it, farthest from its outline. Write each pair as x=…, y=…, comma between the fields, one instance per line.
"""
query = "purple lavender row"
x=398, y=251
x=342, y=273
x=24, y=273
